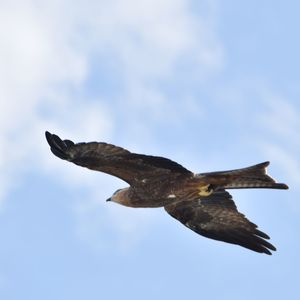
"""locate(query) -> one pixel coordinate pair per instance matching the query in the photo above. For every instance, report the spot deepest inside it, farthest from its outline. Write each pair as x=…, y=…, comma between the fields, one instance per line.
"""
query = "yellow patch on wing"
x=205, y=191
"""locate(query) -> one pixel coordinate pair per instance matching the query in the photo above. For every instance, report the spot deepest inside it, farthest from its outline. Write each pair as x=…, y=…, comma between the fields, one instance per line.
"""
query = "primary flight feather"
x=199, y=201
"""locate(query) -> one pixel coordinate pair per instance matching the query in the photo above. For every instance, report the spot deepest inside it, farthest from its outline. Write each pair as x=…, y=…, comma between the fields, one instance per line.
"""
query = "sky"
x=211, y=84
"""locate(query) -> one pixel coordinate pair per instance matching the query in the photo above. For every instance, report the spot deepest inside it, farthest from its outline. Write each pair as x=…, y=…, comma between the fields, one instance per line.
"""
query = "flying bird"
x=199, y=201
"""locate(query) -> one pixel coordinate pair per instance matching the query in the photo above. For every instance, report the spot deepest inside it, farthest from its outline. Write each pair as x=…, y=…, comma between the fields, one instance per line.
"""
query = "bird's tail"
x=252, y=177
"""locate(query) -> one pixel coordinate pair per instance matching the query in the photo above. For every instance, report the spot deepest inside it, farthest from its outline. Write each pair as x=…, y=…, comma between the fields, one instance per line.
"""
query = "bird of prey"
x=199, y=201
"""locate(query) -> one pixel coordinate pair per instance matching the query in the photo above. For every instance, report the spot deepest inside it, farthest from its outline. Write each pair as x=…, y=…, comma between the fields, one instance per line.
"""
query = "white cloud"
x=149, y=38
x=30, y=66
x=48, y=48
x=47, y=53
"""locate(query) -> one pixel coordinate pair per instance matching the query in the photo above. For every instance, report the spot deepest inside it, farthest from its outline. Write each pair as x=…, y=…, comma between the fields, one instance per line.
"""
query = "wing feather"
x=217, y=217
x=114, y=160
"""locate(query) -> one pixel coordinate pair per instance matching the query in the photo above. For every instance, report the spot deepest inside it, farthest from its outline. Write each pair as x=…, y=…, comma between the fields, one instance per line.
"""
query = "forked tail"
x=252, y=177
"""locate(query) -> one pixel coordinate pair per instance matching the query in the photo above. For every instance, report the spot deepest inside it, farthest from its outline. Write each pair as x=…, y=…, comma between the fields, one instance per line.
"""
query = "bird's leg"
x=206, y=190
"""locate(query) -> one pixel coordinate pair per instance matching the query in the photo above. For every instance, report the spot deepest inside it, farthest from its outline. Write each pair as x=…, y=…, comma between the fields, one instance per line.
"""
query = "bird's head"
x=120, y=196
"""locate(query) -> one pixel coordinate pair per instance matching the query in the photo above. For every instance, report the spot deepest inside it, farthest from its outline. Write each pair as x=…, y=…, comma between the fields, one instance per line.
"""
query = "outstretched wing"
x=217, y=217
x=114, y=160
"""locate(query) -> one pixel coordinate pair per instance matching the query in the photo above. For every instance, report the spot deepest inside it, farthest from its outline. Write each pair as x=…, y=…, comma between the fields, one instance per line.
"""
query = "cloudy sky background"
x=211, y=84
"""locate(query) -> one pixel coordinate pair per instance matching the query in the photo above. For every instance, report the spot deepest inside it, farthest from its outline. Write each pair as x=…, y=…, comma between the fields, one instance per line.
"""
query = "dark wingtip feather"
x=261, y=234
x=263, y=164
x=48, y=136
x=282, y=186
x=58, y=146
x=254, y=241
x=268, y=252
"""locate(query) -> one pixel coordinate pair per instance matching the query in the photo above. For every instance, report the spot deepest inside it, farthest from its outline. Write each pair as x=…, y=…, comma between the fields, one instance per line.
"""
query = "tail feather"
x=252, y=177
x=255, y=177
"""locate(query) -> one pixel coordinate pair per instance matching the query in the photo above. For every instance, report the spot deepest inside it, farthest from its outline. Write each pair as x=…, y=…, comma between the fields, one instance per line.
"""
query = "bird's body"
x=199, y=201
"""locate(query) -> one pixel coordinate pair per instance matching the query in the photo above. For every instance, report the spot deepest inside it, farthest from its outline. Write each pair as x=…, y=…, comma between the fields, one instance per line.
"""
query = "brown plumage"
x=199, y=201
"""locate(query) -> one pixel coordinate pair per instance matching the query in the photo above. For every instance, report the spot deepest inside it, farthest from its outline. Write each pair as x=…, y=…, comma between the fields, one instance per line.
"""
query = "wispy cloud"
x=50, y=51
x=280, y=120
x=281, y=117
x=32, y=56
x=288, y=163
x=150, y=38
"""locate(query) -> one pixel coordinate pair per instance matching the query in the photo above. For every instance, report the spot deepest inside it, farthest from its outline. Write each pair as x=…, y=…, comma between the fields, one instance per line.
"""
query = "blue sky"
x=211, y=84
